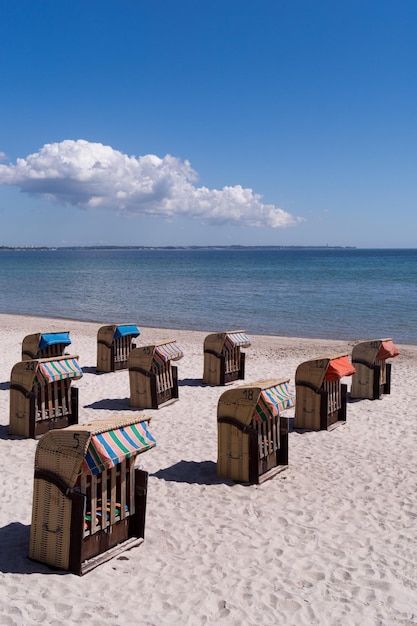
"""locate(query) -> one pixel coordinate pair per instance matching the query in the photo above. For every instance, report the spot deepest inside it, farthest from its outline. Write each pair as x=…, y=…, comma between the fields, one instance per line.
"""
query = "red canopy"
x=338, y=368
x=387, y=350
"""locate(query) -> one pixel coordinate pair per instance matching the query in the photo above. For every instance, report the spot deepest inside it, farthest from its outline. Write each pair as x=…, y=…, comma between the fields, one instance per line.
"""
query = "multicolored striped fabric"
x=167, y=352
x=110, y=448
x=272, y=401
x=51, y=371
x=234, y=340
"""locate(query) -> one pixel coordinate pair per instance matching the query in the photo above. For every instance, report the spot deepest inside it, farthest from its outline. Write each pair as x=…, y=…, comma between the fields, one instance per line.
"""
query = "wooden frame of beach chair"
x=153, y=379
x=252, y=433
x=224, y=361
x=41, y=395
x=89, y=500
x=320, y=395
x=45, y=345
x=373, y=374
x=114, y=344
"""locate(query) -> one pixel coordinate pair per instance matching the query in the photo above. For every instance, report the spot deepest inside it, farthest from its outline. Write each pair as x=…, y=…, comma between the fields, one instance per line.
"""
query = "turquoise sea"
x=335, y=293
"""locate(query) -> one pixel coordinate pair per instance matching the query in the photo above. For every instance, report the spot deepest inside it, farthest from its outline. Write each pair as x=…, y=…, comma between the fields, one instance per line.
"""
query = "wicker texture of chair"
x=89, y=500
x=373, y=374
x=44, y=345
x=320, y=395
x=41, y=395
x=153, y=379
x=252, y=432
x=224, y=361
x=114, y=343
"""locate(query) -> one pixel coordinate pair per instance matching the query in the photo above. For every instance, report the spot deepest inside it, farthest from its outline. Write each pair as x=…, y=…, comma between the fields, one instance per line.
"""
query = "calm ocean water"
x=326, y=293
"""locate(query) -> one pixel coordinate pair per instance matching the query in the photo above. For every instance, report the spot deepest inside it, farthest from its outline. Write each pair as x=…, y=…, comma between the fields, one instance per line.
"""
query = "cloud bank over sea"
x=94, y=176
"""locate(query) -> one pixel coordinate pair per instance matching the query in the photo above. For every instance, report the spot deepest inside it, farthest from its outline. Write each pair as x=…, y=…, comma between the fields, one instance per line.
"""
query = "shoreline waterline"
x=53, y=324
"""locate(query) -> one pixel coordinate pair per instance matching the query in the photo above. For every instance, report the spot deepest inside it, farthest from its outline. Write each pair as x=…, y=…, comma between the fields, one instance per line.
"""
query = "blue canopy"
x=123, y=331
x=51, y=339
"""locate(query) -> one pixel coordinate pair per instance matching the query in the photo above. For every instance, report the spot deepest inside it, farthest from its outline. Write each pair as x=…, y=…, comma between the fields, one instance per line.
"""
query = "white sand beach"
x=332, y=540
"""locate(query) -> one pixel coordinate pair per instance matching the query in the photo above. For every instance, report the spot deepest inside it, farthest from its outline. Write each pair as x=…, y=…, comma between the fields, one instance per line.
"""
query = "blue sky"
x=208, y=122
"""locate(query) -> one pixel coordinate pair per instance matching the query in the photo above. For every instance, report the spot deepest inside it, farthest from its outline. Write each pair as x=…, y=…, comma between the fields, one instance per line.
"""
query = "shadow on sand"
x=112, y=404
x=192, y=472
x=191, y=382
x=14, y=547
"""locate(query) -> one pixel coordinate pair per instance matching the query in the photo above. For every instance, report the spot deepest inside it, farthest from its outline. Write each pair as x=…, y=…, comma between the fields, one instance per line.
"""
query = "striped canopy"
x=51, y=371
x=272, y=401
x=167, y=352
x=109, y=448
x=233, y=340
x=52, y=339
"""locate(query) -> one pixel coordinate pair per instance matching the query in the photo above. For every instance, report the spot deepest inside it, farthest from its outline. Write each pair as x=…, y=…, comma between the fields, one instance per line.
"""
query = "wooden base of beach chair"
x=149, y=390
x=370, y=381
x=108, y=361
x=312, y=409
x=240, y=457
x=270, y=474
x=30, y=418
x=218, y=372
x=87, y=552
x=37, y=429
x=71, y=546
x=120, y=365
x=108, y=554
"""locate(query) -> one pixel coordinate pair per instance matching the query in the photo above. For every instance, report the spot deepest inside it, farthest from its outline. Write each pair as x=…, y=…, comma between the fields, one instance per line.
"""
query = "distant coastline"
x=231, y=247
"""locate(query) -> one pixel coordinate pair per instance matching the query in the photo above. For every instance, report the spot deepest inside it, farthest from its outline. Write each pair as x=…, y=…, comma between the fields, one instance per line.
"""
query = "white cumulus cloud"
x=94, y=176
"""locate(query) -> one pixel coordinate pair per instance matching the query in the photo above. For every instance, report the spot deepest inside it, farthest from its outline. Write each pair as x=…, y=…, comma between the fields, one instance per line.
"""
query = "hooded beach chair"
x=89, y=500
x=320, y=396
x=373, y=373
x=114, y=344
x=41, y=395
x=153, y=379
x=224, y=361
x=252, y=432
x=44, y=345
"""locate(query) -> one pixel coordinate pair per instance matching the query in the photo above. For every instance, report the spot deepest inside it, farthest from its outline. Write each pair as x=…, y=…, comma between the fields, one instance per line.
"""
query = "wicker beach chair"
x=41, y=395
x=153, y=379
x=373, y=374
x=252, y=432
x=224, y=361
x=44, y=345
x=114, y=343
x=89, y=500
x=320, y=396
